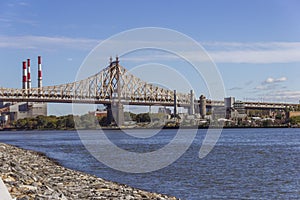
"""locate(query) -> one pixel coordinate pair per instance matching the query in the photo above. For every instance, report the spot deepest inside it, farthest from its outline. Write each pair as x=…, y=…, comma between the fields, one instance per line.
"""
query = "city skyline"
x=255, y=45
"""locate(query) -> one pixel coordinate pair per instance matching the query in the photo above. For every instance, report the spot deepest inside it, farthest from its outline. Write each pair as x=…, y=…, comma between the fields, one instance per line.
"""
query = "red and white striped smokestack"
x=39, y=71
x=28, y=74
x=24, y=76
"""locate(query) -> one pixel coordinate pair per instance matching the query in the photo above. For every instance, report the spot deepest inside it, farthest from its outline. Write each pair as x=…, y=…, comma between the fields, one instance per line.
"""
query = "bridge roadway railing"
x=268, y=105
x=255, y=105
x=80, y=92
x=67, y=93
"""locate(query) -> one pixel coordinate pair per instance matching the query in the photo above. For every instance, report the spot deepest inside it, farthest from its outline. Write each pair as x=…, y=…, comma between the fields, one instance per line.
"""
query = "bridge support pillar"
x=115, y=114
x=202, y=106
x=175, y=104
x=192, y=104
x=110, y=117
x=120, y=114
x=247, y=112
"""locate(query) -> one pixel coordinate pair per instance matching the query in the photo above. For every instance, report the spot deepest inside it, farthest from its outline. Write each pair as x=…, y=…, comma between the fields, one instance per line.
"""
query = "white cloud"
x=271, y=80
x=43, y=42
x=4, y=19
x=256, y=52
x=282, y=79
x=23, y=3
x=236, y=88
x=271, y=84
x=220, y=52
x=256, y=56
x=273, y=90
x=283, y=96
x=261, y=87
x=252, y=45
x=253, y=53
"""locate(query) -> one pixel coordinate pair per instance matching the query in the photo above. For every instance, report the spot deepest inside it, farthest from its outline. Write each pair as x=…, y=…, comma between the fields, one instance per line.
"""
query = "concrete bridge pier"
x=115, y=114
x=192, y=104
x=175, y=103
x=202, y=106
x=110, y=117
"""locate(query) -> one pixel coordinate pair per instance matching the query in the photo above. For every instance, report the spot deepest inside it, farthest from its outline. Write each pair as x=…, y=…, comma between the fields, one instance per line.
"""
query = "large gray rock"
x=32, y=176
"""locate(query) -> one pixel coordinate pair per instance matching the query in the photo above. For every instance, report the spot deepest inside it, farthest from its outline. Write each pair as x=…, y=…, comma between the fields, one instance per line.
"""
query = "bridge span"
x=254, y=105
x=115, y=86
x=114, y=83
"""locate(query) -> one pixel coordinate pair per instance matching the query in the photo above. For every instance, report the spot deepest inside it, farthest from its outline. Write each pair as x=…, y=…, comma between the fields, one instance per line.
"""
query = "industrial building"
x=234, y=109
x=10, y=111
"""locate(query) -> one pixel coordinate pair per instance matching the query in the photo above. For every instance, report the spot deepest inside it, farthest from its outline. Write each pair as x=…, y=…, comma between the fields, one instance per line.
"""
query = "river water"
x=245, y=163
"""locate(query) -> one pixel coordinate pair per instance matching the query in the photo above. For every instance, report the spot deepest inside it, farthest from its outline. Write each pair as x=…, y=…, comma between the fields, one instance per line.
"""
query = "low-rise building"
x=293, y=114
x=15, y=111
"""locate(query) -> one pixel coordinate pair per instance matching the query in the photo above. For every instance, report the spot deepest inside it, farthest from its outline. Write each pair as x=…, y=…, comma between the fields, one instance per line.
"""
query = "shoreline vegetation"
x=141, y=121
x=151, y=128
x=31, y=175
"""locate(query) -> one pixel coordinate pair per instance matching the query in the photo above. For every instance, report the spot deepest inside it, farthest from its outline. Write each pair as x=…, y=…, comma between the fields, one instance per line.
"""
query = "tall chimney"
x=39, y=71
x=24, y=76
x=28, y=74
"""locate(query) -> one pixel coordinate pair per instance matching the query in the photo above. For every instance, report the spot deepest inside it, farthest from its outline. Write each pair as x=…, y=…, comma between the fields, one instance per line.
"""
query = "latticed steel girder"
x=114, y=83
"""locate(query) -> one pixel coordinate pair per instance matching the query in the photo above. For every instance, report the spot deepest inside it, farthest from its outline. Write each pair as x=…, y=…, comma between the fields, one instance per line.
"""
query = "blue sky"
x=255, y=44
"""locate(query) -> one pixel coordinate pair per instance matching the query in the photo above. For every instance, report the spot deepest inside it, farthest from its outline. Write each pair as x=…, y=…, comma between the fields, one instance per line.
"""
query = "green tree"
x=267, y=123
x=295, y=120
x=41, y=122
x=51, y=122
x=21, y=123
x=70, y=121
x=102, y=121
x=143, y=117
x=88, y=121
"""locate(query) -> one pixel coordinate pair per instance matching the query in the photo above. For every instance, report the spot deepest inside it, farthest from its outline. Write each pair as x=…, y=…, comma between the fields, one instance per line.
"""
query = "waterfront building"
x=14, y=111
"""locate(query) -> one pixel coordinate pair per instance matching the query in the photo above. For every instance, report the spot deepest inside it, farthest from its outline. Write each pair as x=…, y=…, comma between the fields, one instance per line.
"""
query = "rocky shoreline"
x=29, y=175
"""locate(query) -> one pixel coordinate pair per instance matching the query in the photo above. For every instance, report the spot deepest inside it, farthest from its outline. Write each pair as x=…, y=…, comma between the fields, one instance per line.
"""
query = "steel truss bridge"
x=116, y=86
x=113, y=86
x=112, y=83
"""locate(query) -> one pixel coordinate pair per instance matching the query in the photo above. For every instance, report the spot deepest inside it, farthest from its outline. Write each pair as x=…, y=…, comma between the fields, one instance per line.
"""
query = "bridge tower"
x=202, y=106
x=115, y=112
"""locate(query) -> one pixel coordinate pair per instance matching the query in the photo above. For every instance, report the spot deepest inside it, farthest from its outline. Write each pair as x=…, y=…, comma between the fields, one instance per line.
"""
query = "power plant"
x=11, y=111
x=39, y=72
x=28, y=74
x=24, y=76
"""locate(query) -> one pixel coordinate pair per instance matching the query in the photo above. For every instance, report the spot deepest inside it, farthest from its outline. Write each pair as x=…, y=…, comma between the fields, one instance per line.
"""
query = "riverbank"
x=31, y=175
x=155, y=128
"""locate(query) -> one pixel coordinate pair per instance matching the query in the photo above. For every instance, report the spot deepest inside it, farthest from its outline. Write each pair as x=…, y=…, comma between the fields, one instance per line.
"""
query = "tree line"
x=86, y=121
x=45, y=122
x=89, y=121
